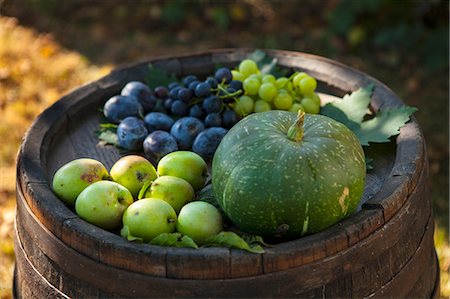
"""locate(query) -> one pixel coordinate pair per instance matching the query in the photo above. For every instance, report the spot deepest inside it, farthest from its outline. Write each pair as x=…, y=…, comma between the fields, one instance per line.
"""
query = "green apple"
x=74, y=176
x=103, y=204
x=132, y=172
x=186, y=165
x=148, y=218
x=175, y=191
x=199, y=220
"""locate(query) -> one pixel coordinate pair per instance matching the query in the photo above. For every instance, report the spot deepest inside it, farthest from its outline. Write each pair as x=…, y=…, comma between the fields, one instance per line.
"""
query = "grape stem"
x=295, y=132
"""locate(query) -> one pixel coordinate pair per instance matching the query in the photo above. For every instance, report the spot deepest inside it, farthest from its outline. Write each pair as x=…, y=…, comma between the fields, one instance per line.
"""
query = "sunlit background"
x=48, y=47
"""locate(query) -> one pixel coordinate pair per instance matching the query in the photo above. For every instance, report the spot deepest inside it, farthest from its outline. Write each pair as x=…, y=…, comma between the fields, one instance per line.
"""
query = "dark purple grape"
x=203, y=89
x=212, y=104
x=172, y=85
x=236, y=84
x=229, y=118
x=223, y=75
x=189, y=79
x=173, y=93
x=119, y=107
x=142, y=92
x=206, y=143
x=213, y=120
x=161, y=92
x=185, y=130
x=193, y=85
x=212, y=81
x=155, y=121
x=158, y=144
x=168, y=104
x=179, y=108
x=197, y=111
x=185, y=94
x=131, y=132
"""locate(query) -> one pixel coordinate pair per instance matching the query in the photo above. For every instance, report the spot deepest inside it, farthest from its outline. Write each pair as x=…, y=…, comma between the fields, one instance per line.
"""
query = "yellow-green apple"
x=132, y=172
x=74, y=176
x=148, y=218
x=186, y=165
x=103, y=204
x=176, y=191
x=199, y=220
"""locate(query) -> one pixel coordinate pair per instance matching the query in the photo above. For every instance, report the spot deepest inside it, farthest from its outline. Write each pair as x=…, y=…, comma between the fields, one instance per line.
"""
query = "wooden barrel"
x=384, y=250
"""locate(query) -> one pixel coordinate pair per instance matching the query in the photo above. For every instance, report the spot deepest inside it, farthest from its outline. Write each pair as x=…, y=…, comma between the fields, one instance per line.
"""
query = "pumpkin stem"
x=295, y=132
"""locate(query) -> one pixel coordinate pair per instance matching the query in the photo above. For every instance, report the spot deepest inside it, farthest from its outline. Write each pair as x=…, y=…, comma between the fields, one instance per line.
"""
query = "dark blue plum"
x=223, y=75
x=185, y=94
x=118, y=107
x=158, y=144
x=229, y=118
x=206, y=143
x=142, y=92
x=197, y=111
x=213, y=120
x=155, y=121
x=203, y=89
x=131, y=132
x=212, y=81
x=185, y=130
x=236, y=84
x=161, y=92
x=179, y=108
x=212, y=104
x=189, y=79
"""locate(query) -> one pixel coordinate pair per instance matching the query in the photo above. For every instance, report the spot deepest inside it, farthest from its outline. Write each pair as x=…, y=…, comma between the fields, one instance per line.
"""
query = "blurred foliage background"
x=48, y=47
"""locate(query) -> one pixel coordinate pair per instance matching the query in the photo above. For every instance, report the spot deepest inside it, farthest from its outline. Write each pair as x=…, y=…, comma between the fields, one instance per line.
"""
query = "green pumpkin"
x=277, y=173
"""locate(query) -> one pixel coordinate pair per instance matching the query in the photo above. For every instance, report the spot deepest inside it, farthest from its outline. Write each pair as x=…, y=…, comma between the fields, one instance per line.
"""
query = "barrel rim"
x=32, y=157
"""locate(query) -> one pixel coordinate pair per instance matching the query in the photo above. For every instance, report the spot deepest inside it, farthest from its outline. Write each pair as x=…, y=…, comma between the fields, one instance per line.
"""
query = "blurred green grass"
x=404, y=44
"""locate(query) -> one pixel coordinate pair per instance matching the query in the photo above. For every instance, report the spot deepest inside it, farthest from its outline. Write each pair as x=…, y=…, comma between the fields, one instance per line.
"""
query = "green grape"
x=281, y=82
x=283, y=101
x=308, y=85
x=267, y=92
x=244, y=105
x=313, y=96
x=298, y=77
x=256, y=76
x=248, y=67
x=296, y=107
x=261, y=106
x=310, y=106
x=237, y=75
x=251, y=86
x=268, y=78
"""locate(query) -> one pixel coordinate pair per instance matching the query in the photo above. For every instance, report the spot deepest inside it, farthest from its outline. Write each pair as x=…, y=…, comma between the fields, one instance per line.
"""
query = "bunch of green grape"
x=263, y=92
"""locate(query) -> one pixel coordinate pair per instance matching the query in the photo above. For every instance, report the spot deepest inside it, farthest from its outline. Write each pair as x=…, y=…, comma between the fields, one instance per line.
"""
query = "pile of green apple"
x=139, y=199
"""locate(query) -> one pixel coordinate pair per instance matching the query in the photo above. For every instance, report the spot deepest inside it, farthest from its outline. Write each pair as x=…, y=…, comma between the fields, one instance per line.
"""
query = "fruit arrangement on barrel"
x=235, y=158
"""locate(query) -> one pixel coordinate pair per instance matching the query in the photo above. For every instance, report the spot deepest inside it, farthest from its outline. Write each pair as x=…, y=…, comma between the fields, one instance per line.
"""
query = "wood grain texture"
x=384, y=245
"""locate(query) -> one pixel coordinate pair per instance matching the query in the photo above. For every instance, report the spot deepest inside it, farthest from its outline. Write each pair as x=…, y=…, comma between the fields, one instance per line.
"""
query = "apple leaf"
x=232, y=240
x=125, y=232
x=174, y=240
x=109, y=137
x=158, y=77
x=144, y=188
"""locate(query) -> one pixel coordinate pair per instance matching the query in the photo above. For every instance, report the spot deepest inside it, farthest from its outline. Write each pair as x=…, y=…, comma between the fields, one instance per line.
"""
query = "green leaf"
x=266, y=64
x=158, y=77
x=232, y=240
x=109, y=137
x=144, y=188
x=174, y=240
x=385, y=124
x=125, y=232
x=351, y=109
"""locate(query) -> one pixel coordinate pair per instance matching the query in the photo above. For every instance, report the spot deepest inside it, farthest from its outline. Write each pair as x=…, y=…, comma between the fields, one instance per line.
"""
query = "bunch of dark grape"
x=192, y=114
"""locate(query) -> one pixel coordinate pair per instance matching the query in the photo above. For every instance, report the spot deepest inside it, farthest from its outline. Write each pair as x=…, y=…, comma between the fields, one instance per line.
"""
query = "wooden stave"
x=34, y=179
